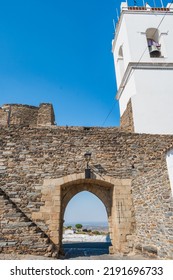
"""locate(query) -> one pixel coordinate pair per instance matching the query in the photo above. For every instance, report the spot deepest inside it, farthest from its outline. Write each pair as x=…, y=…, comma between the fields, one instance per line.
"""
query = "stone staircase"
x=20, y=234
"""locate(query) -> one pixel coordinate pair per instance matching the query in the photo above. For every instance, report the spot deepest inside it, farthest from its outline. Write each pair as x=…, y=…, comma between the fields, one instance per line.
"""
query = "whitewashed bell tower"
x=143, y=57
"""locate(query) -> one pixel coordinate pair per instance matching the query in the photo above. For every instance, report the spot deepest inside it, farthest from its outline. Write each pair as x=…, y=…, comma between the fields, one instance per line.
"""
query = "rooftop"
x=147, y=8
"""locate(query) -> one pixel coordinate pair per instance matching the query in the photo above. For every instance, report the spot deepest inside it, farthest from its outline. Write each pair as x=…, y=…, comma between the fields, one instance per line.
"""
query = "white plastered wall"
x=153, y=101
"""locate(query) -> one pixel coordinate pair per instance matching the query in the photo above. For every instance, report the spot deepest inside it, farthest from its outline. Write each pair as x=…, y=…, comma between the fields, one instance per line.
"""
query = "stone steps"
x=19, y=234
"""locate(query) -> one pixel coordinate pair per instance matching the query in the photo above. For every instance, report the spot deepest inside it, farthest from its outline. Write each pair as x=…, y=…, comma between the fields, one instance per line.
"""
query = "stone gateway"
x=42, y=167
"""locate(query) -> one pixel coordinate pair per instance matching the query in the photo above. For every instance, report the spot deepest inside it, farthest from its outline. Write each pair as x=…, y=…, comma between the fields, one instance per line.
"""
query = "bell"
x=154, y=51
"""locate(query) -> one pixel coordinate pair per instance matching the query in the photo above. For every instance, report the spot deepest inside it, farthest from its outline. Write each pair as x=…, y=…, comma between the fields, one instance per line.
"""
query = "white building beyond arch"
x=169, y=160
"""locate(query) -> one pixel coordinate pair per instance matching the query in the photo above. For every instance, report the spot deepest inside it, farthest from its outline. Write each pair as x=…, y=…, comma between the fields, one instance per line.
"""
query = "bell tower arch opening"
x=152, y=35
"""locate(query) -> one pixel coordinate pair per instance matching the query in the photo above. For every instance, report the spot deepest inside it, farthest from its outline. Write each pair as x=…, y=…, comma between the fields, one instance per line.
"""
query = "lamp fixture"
x=87, y=157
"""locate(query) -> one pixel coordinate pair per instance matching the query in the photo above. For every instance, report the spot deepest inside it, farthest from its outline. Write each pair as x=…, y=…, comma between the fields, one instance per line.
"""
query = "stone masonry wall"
x=126, y=121
x=45, y=115
x=18, y=114
x=153, y=205
x=3, y=117
x=30, y=155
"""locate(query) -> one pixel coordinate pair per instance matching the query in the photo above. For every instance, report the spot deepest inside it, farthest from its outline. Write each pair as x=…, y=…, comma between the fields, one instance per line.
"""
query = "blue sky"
x=85, y=207
x=59, y=51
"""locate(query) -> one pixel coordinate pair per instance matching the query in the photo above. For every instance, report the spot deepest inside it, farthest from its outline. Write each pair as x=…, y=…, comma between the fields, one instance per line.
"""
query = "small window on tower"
x=121, y=61
x=120, y=53
x=154, y=46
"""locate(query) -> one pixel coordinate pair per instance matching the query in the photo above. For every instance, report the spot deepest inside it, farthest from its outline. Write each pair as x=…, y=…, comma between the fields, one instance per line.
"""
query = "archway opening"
x=121, y=61
x=154, y=47
x=86, y=227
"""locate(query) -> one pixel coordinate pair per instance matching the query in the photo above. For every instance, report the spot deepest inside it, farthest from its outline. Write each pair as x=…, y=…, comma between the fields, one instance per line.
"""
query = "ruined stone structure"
x=17, y=114
x=42, y=168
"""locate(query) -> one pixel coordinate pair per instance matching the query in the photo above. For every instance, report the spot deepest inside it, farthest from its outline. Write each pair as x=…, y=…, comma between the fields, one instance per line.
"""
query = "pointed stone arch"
x=114, y=193
x=102, y=190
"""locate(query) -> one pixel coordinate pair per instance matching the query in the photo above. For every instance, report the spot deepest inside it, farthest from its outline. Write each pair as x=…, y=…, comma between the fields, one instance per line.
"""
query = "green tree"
x=78, y=226
x=69, y=227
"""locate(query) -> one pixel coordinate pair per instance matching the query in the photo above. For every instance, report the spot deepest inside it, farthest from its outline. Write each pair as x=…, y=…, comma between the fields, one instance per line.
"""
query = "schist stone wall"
x=17, y=114
x=41, y=168
x=126, y=121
